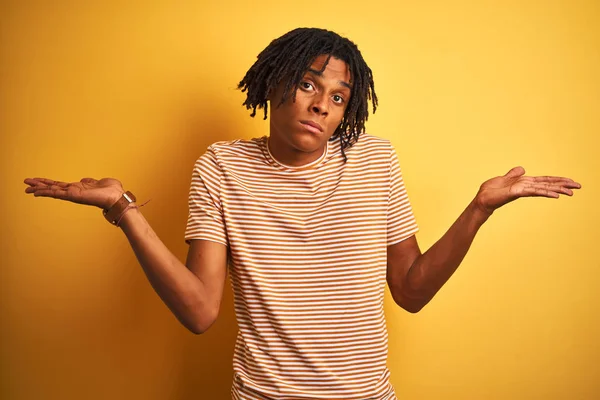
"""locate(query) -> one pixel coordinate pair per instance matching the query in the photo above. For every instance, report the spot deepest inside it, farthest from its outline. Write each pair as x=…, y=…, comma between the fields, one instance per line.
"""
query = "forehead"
x=336, y=69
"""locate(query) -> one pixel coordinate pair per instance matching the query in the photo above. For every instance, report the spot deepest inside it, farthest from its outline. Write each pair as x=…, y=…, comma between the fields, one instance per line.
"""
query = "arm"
x=192, y=292
x=414, y=278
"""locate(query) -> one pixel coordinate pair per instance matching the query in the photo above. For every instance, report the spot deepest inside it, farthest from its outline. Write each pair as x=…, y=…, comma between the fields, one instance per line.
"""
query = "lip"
x=312, y=124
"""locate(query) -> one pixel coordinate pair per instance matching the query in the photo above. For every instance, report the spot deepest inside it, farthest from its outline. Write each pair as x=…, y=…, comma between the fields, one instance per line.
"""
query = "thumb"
x=515, y=172
x=88, y=180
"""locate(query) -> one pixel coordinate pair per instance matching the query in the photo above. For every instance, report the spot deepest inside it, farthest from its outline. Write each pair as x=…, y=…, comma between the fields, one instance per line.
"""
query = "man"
x=312, y=221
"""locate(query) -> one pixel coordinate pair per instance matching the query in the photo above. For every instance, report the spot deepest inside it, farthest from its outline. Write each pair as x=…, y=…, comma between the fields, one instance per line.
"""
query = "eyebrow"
x=319, y=73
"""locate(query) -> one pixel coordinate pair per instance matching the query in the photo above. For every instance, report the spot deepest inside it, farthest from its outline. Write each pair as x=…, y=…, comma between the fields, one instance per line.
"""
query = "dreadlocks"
x=287, y=59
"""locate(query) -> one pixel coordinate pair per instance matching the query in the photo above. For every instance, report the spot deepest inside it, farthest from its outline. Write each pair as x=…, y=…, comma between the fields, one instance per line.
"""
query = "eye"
x=338, y=99
x=306, y=85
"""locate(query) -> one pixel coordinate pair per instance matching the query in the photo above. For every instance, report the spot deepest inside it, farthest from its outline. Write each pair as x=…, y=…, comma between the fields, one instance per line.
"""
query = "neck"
x=289, y=156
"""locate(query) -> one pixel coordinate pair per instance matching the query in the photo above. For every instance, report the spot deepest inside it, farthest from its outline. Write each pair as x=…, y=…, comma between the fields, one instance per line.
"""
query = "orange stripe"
x=308, y=264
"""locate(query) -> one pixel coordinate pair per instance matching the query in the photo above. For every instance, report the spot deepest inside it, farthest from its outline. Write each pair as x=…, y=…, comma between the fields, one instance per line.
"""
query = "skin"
x=414, y=278
x=193, y=290
x=321, y=98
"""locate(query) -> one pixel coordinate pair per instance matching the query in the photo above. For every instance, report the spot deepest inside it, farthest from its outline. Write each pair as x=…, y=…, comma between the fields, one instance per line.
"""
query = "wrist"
x=115, y=212
x=127, y=214
x=113, y=199
x=480, y=212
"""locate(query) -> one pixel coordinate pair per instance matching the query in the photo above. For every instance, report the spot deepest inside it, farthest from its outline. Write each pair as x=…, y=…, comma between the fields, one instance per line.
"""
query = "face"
x=299, y=130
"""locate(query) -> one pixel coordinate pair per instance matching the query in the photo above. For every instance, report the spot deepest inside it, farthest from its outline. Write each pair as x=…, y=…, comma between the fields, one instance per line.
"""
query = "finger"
x=553, y=179
x=566, y=182
x=515, y=172
x=572, y=184
x=558, y=188
x=557, y=179
x=33, y=182
x=50, y=182
x=534, y=191
x=53, y=193
x=35, y=189
x=547, y=190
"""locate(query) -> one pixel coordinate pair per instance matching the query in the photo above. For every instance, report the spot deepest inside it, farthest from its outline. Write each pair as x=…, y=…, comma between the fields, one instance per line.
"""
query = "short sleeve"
x=401, y=222
x=205, y=219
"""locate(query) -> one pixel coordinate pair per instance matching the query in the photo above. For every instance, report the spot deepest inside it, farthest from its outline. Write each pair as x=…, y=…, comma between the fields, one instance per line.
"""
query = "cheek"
x=337, y=118
x=287, y=113
x=280, y=112
x=332, y=127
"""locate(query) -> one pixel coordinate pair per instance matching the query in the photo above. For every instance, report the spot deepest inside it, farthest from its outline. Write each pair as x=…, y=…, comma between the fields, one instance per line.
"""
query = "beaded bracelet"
x=127, y=209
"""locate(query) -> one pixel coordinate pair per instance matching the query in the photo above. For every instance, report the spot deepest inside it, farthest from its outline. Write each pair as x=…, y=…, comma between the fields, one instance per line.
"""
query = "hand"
x=501, y=190
x=103, y=193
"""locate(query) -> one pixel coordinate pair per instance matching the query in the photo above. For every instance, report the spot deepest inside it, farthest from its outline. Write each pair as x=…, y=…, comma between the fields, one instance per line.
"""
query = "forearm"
x=432, y=269
x=178, y=287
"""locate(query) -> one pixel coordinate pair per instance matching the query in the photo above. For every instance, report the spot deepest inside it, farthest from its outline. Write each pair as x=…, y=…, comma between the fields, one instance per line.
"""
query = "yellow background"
x=137, y=91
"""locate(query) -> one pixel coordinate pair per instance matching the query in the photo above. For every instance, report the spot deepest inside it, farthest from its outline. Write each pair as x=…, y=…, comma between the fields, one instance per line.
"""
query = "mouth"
x=312, y=126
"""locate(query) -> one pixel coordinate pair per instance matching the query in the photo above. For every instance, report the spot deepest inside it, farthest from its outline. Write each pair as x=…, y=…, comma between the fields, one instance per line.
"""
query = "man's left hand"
x=501, y=190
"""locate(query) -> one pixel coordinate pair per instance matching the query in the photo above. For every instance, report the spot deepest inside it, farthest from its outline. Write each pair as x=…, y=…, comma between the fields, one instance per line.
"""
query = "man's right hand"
x=101, y=193
x=193, y=291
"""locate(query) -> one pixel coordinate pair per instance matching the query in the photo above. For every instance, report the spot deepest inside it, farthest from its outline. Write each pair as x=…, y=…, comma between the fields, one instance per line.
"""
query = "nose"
x=319, y=105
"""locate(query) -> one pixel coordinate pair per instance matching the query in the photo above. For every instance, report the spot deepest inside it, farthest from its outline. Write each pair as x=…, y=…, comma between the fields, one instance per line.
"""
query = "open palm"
x=101, y=193
x=498, y=191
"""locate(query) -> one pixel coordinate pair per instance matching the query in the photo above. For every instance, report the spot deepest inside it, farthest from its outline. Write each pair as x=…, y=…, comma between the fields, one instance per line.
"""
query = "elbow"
x=200, y=327
x=411, y=302
x=197, y=329
x=203, y=322
x=412, y=308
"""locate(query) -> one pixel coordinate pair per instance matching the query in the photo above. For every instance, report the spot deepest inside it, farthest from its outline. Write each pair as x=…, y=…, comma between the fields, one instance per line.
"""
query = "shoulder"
x=238, y=148
x=369, y=138
x=371, y=144
x=236, y=151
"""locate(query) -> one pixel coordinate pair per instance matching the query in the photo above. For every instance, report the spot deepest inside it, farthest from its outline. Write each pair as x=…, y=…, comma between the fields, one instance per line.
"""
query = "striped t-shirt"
x=308, y=263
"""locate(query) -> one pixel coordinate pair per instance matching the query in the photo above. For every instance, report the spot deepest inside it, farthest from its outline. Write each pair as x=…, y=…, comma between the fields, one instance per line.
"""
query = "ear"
x=272, y=93
x=277, y=91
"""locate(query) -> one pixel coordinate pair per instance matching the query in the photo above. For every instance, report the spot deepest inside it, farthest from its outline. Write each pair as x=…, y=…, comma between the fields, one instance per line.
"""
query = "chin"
x=308, y=143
